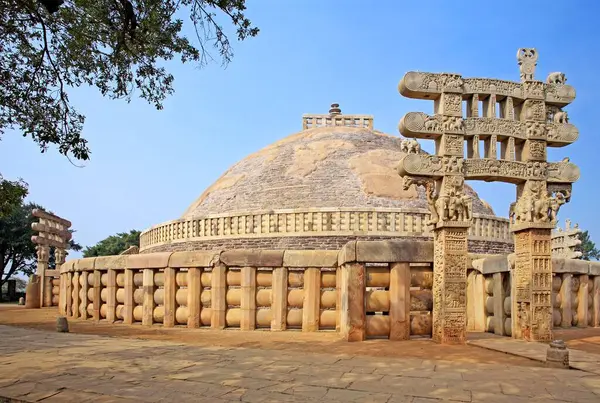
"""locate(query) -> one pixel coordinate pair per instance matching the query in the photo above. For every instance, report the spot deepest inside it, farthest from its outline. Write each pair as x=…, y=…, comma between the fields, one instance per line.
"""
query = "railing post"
x=279, y=289
x=76, y=295
x=248, y=298
x=311, y=308
x=111, y=298
x=399, y=301
x=97, y=294
x=218, y=294
x=194, y=291
x=129, y=303
x=69, y=296
x=170, y=301
x=148, y=301
x=353, y=320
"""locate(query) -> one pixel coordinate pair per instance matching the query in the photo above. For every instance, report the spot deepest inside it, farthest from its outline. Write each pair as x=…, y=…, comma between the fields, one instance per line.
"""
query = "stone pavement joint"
x=38, y=366
x=581, y=360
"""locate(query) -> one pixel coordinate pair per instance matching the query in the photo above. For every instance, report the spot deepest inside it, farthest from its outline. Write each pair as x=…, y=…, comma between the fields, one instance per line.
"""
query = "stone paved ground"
x=52, y=367
x=581, y=360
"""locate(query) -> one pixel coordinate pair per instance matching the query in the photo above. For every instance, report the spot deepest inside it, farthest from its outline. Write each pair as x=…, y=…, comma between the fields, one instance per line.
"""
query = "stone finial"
x=527, y=58
x=335, y=109
x=557, y=355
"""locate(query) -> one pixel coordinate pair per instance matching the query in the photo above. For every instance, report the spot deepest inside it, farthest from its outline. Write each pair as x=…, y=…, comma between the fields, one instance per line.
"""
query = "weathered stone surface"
x=394, y=251
x=493, y=264
x=148, y=260
x=594, y=268
x=111, y=262
x=68, y=266
x=87, y=263
x=278, y=176
x=347, y=253
x=310, y=258
x=194, y=259
x=562, y=265
x=255, y=258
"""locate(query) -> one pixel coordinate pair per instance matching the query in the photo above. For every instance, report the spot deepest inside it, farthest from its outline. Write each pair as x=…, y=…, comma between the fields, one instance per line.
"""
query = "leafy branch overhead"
x=118, y=46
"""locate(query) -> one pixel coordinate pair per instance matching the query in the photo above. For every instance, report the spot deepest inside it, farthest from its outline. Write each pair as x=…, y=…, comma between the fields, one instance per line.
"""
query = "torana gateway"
x=342, y=227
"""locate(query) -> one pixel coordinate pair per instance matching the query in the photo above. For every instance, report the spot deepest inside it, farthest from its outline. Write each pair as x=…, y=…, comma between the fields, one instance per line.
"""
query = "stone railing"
x=315, y=222
x=315, y=121
x=367, y=289
x=575, y=294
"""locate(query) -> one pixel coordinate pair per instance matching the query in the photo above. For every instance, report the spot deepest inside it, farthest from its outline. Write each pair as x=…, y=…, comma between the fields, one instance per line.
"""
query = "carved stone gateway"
x=53, y=231
x=523, y=119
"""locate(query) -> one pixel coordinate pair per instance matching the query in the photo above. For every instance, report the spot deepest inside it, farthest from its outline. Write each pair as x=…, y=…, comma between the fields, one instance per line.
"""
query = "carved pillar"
x=43, y=255
x=473, y=106
x=450, y=285
x=450, y=233
x=532, y=285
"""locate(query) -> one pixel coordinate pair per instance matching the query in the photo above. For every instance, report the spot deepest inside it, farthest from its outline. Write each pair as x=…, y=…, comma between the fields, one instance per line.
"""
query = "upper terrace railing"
x=315, y=222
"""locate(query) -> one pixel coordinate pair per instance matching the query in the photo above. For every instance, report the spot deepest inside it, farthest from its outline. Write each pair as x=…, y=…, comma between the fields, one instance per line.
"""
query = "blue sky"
x=148, y=165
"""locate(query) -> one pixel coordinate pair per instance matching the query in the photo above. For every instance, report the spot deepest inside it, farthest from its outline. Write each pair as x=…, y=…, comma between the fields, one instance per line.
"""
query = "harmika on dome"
x=331, y=183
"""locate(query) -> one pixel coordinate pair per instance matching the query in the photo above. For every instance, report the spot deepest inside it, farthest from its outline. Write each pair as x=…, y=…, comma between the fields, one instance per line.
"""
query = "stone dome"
x=325, y=167
x=330, y=183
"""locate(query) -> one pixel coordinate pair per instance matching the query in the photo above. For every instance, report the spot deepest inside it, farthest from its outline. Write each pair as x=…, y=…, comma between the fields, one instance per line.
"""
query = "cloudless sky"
x=147, y=166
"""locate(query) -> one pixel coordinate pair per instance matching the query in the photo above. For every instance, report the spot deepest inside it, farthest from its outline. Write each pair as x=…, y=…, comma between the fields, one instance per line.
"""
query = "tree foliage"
x=118, y=46
x=17, y=252
x=588, y=247
x=12, y=194
x=114, y=244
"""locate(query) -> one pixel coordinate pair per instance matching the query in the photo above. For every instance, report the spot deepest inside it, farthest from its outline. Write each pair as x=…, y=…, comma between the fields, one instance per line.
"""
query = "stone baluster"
x=248, y=298
x=129, y=303
x=596, y=302
x=84, y=279
x=473, y=106
x=218, y=296
x=353, y=320
x=111, y=297
x=312, y=300
x=399, y=301
x=583, y=301
x=97, y=290
x=279, y=291
x=148, y=304
x=170, y=294
x=69, y=295
x=194, y=302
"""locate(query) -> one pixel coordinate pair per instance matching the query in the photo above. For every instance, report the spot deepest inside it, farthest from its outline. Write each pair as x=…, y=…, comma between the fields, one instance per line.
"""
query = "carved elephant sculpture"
x=431, y=124
x=522, y=210
x=556, y=78
x=561, y=117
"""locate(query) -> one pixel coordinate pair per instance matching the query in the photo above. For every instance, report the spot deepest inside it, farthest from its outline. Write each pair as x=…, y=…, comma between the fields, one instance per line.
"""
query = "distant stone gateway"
x=342, y=227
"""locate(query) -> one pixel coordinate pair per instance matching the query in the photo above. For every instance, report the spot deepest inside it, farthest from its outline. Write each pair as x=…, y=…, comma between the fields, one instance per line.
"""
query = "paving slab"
x=581, y=360
x=52, y=367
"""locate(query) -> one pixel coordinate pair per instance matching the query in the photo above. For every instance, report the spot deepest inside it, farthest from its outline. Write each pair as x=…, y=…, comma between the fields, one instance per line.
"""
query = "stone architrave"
x=531, y=120
x=53, y=231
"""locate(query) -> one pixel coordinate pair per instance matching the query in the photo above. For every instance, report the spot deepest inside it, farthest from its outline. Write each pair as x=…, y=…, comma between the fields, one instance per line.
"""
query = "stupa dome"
x=332, y=182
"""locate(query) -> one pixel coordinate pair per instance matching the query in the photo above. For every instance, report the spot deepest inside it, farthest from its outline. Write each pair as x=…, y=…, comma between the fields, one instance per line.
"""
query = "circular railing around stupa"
x=321, y=222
